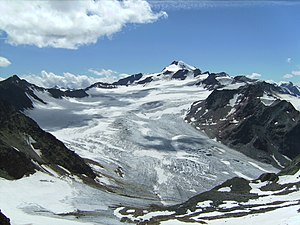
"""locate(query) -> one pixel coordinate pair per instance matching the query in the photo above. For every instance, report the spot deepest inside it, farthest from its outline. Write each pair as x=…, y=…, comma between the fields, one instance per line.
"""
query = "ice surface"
x=139, y=144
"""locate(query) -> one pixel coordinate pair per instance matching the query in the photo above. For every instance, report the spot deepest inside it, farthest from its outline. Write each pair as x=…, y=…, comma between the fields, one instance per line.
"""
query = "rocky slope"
x=251, y=119
x=236, y=201
x=17, y=93
x=290, y=88
x=3, y=219
x=25, y=147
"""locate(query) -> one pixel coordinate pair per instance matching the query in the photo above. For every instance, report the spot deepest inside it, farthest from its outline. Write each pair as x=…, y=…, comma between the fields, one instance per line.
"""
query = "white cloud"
x=292, y=74
x=69, y=24
x=103, y=72
x=67, y=80
x=254, y=76
x=4, y=62
x=72, y=81
x=288, y=76
x=296, y=73
x=289, y=60
x=108, y=76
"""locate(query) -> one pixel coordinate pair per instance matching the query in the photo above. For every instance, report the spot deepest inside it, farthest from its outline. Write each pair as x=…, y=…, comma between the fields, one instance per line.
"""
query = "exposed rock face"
x=101, y=85
x=217, y=80
x=242, y=79
x=290, y=88
x=129, y=80
x=180, y=74
x=145, y=81
x=3, y=219
x=25, y=148
x=16, y=92
x=211, y=82
x=251, y=120
x=57, y=93
x=292, y=168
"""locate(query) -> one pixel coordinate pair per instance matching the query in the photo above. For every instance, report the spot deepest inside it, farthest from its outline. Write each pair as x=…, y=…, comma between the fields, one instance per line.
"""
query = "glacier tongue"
x=136, y=140
x=139, y=144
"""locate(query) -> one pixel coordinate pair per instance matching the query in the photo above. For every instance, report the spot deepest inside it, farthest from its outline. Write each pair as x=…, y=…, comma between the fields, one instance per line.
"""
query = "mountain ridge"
x=21, y=94
x=250, y=119
x=177, y=70
x=131, y=141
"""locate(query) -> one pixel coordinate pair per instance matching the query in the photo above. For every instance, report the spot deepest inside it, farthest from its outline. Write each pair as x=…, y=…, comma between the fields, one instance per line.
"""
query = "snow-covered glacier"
x=137, y=142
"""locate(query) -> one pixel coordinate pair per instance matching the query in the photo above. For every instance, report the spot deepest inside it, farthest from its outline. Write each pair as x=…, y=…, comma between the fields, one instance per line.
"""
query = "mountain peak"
x=14, y=79
x=175, y=62
x=290, y=88
x=178, y=65
x=183, y=65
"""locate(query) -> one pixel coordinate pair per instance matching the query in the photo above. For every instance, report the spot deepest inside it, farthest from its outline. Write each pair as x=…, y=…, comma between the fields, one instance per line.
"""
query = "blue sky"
x=257, y=37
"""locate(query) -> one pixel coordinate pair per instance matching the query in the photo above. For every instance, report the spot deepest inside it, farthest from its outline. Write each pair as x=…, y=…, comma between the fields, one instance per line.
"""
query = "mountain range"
x=177, y=145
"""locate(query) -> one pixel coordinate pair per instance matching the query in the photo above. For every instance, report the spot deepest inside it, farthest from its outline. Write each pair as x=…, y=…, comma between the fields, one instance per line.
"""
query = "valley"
x=139, y=145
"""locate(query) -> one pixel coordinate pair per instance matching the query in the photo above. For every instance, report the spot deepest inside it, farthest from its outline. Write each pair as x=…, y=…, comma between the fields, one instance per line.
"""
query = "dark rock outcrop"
x=290, y=88
x=101, y=85
x=197, y=72
x=19, y=93
x=212, y=81
x=244, y=79
x=57, y=93
x=128, y=80
x=16, y=91
x=180, y=74
x=3, y=219
x=251, y=120
x=25, y=148
x=145, y=81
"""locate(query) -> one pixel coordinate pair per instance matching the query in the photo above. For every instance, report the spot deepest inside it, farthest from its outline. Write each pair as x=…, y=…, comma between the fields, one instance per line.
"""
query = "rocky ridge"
x=252, y=119
x=25, y=147
x=3, y=219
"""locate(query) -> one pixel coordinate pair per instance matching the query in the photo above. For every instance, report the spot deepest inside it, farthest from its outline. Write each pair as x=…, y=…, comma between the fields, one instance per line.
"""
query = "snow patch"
x=278, y=163
x=229, y=204
x=225, y=189
x=235, y=100
x=227, y=163
x=243, y=175
x=289, y=178
x=204, y=204
x=259, y=167
x=267, y=99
